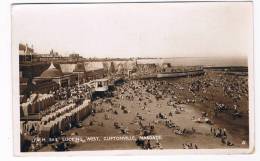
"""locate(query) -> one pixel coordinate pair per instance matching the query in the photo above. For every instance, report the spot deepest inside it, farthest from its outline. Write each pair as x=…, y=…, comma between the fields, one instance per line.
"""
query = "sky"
x=208, y=29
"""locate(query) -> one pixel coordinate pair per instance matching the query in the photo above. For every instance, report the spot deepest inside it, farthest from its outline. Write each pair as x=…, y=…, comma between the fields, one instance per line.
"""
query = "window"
x=99, y=84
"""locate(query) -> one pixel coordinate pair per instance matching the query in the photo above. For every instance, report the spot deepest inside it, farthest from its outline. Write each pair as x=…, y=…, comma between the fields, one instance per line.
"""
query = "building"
x=75, y=55
x=148, y=68
x=25, y=49
x=77, y=69
x=25, y=53
x=44, y=85
x=94, y=70
x=52, y=77
x=80, y=71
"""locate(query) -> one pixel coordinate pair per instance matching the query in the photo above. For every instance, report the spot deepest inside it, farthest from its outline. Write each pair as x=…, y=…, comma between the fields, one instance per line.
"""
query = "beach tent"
x=27, y=108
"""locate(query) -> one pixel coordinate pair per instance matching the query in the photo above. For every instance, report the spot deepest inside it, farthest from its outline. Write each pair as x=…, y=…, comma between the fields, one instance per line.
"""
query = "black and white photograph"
x=152, y=76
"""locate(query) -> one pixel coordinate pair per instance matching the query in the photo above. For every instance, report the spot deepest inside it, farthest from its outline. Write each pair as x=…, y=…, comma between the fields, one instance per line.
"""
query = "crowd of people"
x=192, y=91
x=190, y=146
x=75, y=92
x=135, y=98
x=222, y=134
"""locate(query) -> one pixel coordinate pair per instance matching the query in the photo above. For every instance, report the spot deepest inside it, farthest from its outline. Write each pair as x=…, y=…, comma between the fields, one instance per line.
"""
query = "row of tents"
x=53, y=115
x=36, y=103
x=66, y=120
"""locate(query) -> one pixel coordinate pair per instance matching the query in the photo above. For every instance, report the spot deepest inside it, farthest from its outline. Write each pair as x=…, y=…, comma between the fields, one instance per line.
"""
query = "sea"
x=196, y=61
